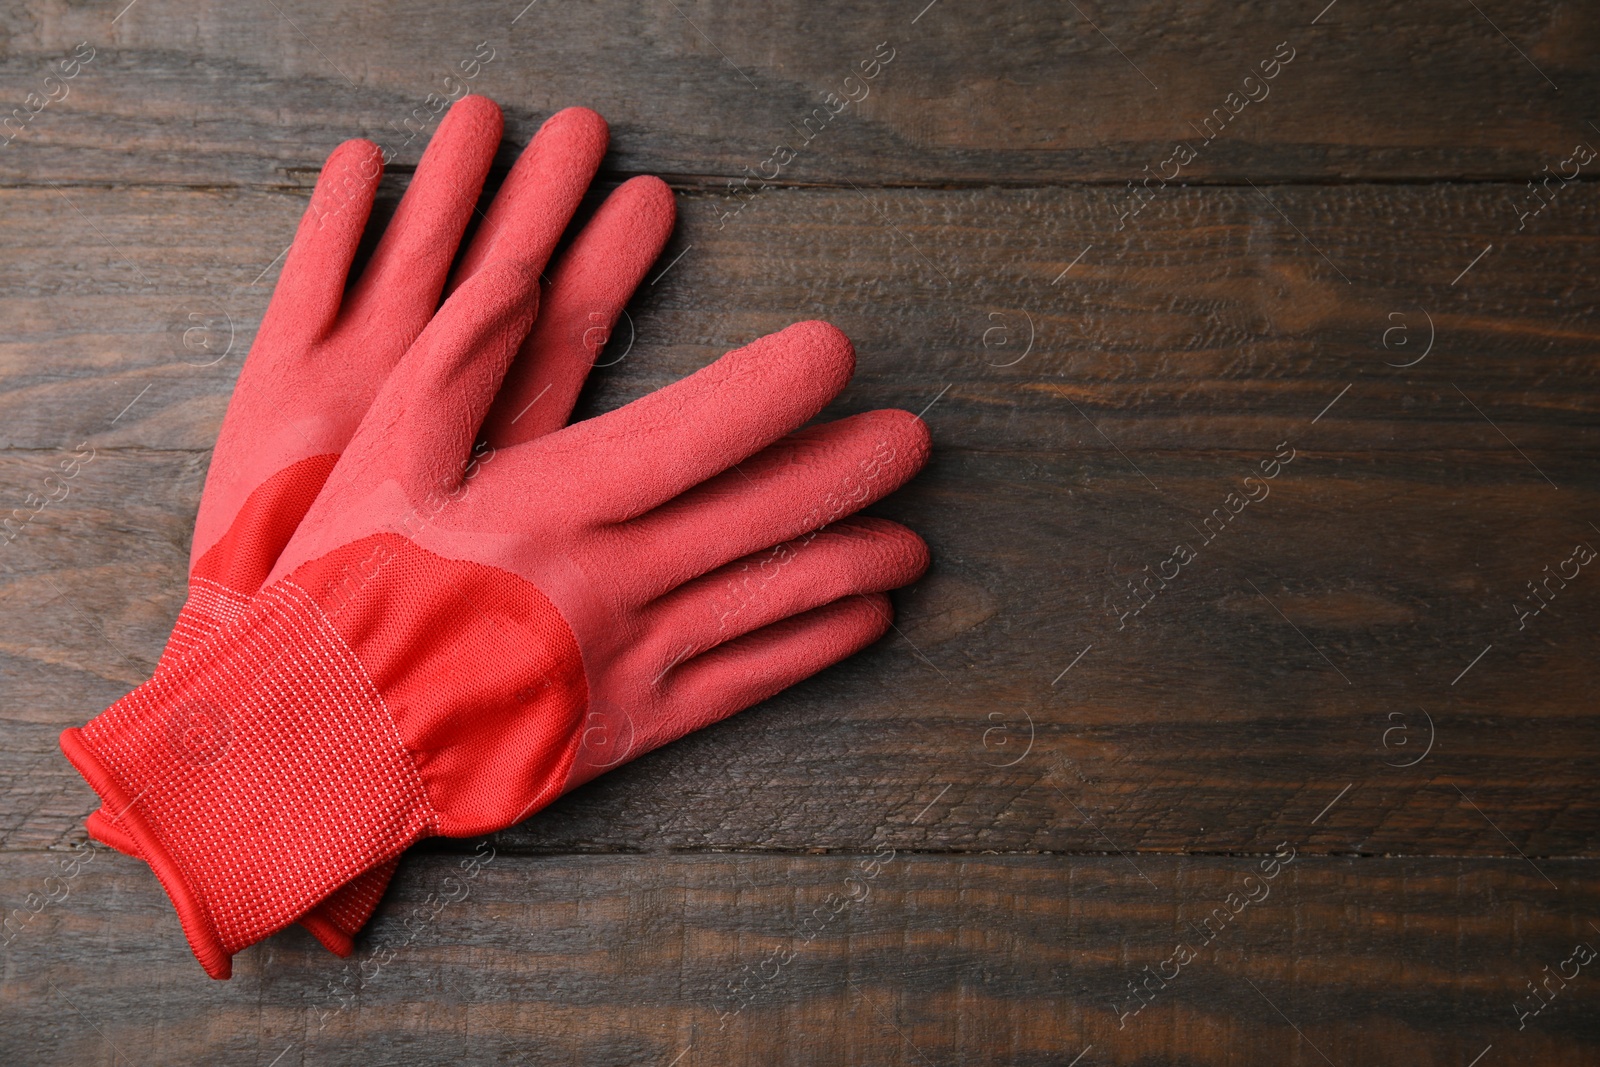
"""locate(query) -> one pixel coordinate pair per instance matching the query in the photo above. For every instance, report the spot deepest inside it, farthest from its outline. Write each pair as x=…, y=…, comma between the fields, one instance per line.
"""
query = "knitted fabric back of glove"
x=221, y=583
x=239, y=738
x=481, y=675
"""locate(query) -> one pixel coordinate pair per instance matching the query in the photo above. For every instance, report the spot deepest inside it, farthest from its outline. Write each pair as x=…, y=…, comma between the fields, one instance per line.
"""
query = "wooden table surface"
x=1291, y=304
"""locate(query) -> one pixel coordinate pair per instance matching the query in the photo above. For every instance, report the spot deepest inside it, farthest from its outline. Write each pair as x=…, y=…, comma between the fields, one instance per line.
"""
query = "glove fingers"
x=800, y=484
x=591, y=284
x=735, y=675
x=311, y=287
x=541, y=193
x=626, y=462
x=400, y=287
x=420, y=429
x=859, y=555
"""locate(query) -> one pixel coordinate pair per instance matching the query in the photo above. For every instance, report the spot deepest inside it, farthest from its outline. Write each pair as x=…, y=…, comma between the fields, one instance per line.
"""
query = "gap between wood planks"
x=304, y=177
x=453, y=847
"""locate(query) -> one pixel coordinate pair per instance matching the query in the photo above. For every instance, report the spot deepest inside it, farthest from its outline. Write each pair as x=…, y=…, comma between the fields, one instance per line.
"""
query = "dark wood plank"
x=212, y=93
x=1206, y=721
x=752, y=959
x=1399, y=543
x=1164, y=341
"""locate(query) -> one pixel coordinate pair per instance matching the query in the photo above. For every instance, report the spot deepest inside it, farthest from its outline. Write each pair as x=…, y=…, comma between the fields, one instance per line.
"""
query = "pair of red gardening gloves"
x=418, y=605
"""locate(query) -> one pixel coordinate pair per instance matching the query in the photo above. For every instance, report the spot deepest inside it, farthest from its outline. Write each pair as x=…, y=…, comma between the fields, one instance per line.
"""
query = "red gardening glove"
x=322, y=354
x=444, y=630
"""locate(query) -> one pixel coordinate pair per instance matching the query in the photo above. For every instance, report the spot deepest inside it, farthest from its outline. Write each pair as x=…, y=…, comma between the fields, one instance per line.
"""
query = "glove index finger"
x=399, y=290
x=628, y=461
x=311, y=288
x=589, y=287
x=540, y=195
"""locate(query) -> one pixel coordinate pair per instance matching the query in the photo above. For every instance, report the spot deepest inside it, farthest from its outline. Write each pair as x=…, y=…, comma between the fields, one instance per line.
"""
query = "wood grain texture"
x=1210, y=321
x=1207, y=721
x=1398, y=541
x=1054, y=772
x=206, y=93
x=877, y=957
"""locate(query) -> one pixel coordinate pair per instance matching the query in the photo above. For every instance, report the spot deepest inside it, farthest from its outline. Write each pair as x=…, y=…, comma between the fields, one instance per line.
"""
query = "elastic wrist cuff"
x=256, y=776
x=197, y=927
x=103, y=830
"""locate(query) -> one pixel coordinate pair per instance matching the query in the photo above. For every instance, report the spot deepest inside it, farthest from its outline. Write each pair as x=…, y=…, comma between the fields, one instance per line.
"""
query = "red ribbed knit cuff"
x=209, y=607
x=257, y=775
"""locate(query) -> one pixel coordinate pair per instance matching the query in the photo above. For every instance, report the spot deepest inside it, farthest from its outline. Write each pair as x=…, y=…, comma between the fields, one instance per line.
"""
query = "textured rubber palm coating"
x=323, y=352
